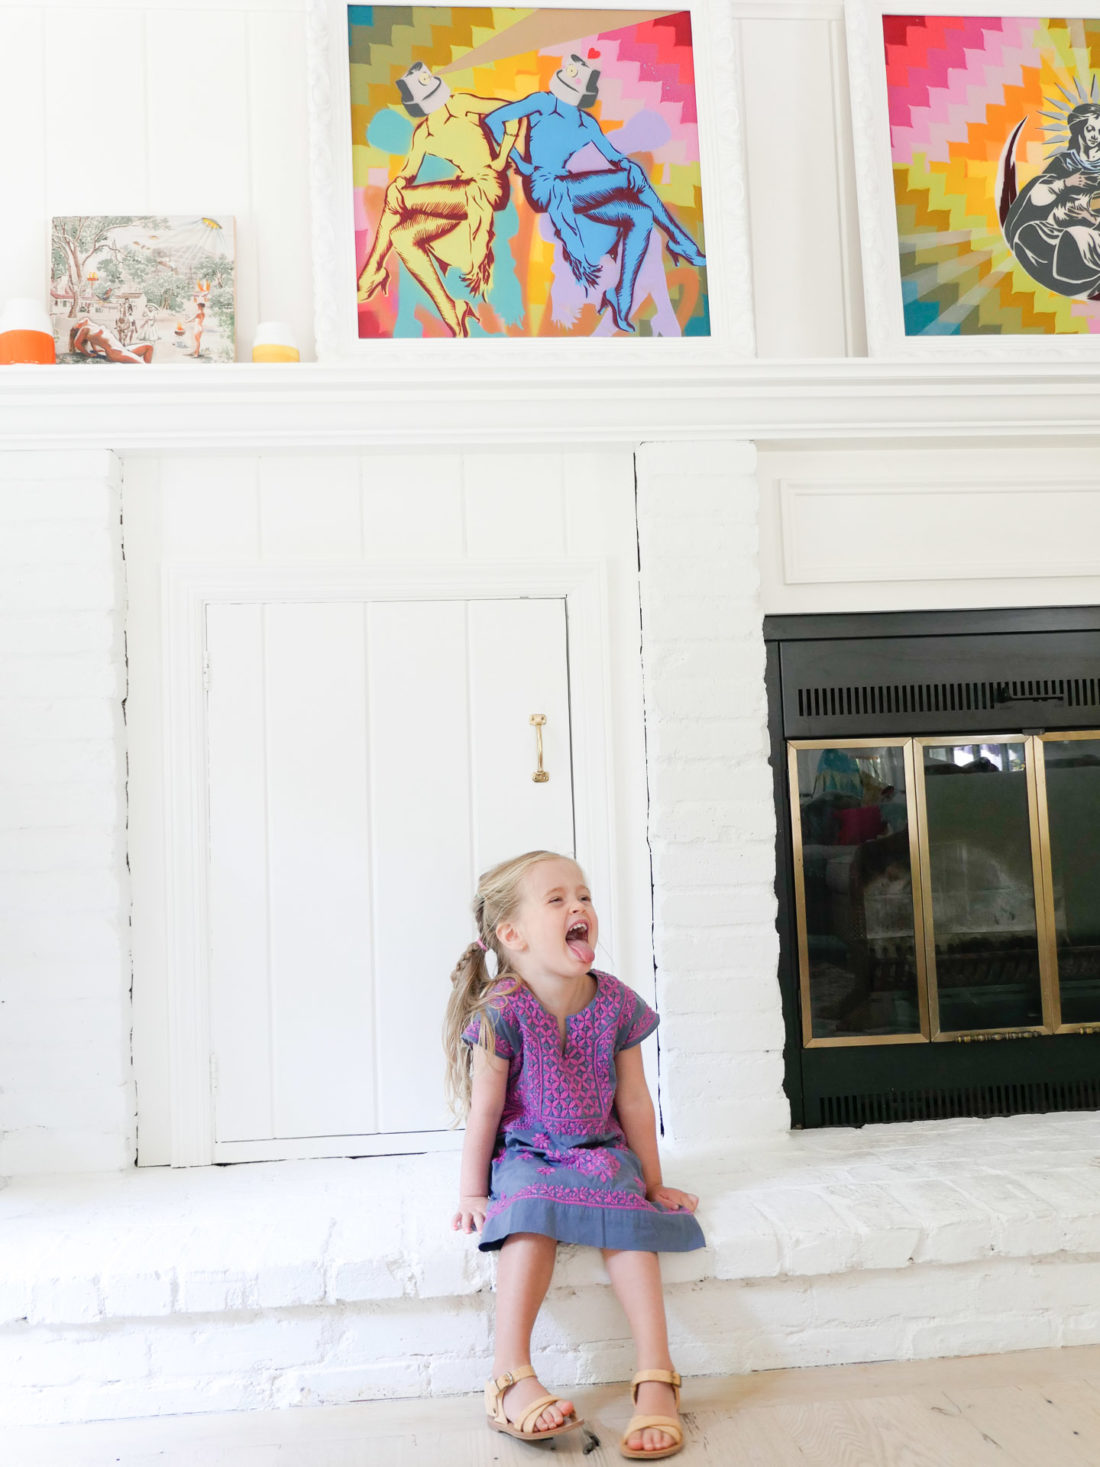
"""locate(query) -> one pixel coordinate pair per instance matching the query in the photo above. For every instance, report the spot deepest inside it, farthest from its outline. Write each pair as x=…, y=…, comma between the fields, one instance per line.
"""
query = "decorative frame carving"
x=878, y=222
x=727, y=240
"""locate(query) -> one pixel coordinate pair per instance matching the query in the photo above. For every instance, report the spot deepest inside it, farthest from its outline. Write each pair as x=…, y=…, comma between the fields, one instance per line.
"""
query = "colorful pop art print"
x=143, y=289
x=986, y=238
x=525, y=173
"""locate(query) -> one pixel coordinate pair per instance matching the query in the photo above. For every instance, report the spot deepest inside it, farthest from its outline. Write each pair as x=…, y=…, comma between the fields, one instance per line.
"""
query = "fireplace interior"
x=937, y=782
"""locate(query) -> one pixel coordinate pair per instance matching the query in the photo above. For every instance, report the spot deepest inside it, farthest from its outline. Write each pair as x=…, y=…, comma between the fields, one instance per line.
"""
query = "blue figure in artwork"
x=587, y=209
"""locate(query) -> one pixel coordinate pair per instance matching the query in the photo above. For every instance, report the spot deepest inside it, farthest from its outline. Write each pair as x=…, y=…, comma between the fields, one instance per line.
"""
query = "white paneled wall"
x=807, y=290
x=200, y=107
x=311, y=515
x=871, y=527
x=131, y=108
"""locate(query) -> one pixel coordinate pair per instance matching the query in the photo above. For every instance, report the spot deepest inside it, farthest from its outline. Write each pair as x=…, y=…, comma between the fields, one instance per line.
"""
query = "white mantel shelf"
x=312, y=405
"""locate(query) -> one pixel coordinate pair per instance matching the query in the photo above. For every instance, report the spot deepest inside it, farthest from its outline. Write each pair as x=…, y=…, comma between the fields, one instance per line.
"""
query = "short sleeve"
x=505, y=1030
x=636, y=1021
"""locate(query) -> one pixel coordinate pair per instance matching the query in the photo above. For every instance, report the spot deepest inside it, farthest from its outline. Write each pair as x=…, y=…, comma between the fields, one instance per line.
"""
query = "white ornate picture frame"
x=726, y=233
x=945, y=286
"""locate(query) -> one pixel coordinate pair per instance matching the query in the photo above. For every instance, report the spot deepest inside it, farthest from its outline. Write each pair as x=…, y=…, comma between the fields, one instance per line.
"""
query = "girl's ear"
x=509, y=935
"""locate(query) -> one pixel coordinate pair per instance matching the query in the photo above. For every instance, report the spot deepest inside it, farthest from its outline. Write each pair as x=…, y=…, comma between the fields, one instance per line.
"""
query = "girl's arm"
x=490, y=1081
x=639, y=1123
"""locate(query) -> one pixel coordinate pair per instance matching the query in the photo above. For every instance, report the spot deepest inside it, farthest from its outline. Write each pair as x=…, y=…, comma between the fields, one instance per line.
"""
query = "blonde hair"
x=499, y=893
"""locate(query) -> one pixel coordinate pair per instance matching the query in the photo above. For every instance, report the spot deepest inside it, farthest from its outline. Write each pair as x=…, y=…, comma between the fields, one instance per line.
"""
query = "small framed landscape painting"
x=143, y=288
x=977, y=138
x=487, y=173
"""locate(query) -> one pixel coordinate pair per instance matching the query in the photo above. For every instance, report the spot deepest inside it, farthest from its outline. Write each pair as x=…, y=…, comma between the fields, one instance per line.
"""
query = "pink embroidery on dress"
x=574, y=1197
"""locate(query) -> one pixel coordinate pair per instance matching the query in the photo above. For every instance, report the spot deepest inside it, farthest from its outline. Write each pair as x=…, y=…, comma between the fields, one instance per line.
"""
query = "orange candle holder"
x=26, y=336
x=275, y=342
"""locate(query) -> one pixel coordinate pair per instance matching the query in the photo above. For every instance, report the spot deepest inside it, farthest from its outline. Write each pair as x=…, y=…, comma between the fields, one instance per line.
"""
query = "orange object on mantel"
x=26, y=336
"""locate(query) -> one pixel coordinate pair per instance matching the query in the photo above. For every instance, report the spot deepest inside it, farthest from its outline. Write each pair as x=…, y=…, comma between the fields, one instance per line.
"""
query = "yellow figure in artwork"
x=450, y=222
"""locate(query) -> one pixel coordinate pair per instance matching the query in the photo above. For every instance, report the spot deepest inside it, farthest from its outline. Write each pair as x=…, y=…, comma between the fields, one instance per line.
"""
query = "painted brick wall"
x=711, y=818
x=66, y=1096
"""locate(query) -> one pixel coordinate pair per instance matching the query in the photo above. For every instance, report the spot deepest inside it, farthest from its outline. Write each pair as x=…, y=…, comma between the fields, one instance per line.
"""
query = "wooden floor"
x=1035, y=1409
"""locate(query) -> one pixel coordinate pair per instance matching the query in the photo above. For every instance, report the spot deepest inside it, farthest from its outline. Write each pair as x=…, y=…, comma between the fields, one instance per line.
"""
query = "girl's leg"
x=525, y=1266
x=636, y=1279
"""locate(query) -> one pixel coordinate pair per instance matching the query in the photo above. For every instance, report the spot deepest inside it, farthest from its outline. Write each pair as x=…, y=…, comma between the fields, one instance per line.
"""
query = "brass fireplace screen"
x=947, y=888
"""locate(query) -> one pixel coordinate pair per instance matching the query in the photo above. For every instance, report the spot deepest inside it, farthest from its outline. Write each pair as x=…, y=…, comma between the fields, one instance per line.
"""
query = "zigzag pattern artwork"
x=525, y=173
x=995, y=147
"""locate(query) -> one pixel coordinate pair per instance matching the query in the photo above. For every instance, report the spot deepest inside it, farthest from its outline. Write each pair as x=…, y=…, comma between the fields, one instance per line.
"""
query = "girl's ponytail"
x=470, y=986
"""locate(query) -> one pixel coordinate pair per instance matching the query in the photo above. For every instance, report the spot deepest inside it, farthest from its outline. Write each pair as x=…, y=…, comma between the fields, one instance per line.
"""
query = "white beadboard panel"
x=142, y=540
x=514, y=502
x=279, y=150
x=793, y=187
x=412, y=505
x=197, y=80
x=518, y=667
x=24, y=250
x=198, y=138
x=319, y=860
x=423, y=836
x=96, y=111
x=942, y=530
x=598, y=490
x=238, y=873
x=310, y=507
x=211, y=508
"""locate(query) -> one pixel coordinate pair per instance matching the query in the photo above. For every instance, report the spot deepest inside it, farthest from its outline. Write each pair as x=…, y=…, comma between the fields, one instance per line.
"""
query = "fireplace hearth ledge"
x=322, y=1281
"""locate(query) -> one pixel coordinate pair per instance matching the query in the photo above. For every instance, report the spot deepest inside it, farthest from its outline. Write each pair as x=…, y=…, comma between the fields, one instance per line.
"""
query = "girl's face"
x=554, y=929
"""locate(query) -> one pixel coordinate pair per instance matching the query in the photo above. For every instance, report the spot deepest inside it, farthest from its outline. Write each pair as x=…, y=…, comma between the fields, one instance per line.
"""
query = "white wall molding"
x=1023, y=527
x=333, y=406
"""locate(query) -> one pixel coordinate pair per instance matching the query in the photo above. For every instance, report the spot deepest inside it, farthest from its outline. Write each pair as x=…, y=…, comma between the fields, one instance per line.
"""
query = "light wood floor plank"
x=1033, y=1409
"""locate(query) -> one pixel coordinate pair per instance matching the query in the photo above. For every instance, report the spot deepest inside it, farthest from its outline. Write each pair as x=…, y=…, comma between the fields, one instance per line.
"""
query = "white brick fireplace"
x=133, y=1290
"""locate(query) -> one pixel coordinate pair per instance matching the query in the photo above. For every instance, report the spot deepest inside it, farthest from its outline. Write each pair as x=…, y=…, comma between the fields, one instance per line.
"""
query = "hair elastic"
x=482, y=946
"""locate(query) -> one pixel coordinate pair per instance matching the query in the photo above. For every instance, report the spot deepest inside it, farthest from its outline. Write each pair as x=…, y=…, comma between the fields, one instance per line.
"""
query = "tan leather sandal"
x=668, y=1424
x=524, y=1427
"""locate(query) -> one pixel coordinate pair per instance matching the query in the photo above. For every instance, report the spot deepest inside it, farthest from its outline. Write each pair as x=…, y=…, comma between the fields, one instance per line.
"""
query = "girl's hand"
x=470, y=1217
x=673, y=1198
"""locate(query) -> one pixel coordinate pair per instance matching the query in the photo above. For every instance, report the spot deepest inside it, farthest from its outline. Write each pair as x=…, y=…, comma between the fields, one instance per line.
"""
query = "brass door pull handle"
x=540, y=775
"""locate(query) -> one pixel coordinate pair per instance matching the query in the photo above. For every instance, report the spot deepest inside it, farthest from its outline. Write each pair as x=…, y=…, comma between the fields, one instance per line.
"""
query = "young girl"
x=561, y=1140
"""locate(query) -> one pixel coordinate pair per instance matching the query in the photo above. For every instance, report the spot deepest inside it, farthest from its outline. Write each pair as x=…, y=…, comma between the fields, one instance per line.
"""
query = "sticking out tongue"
x=580, y=950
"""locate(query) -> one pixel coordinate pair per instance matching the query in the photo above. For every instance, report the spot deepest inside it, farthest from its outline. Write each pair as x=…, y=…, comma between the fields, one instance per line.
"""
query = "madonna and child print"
x=995, y=144
x=525, y=173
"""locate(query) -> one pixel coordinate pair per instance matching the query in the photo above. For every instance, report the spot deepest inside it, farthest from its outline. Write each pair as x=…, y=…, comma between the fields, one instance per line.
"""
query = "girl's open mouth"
x=576, y=940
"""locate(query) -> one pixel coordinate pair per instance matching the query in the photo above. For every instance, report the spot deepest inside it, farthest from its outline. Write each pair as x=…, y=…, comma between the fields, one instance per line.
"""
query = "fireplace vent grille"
x=872, y=700
x=1008, y=1099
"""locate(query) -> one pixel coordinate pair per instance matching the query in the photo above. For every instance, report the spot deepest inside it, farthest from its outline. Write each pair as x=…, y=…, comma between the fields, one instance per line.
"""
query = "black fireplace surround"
x=927, y=971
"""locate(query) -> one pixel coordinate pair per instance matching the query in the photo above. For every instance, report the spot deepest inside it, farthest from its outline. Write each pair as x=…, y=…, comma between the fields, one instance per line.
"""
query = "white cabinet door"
x=366, y=761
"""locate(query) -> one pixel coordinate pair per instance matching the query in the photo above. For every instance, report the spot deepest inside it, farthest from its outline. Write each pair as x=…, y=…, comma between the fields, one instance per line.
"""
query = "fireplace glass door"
x=980, y=875
x=1069, y=775
x=945, y=888
x=855, y=838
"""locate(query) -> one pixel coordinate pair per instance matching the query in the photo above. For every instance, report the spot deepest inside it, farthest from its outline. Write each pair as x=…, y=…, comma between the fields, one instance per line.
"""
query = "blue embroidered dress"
x=561, y=1165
